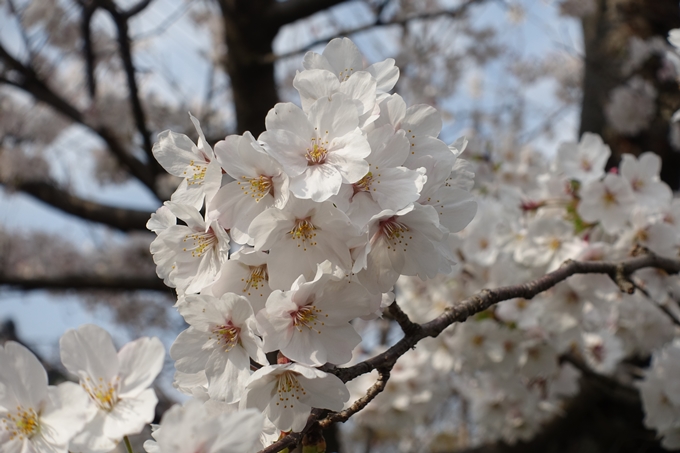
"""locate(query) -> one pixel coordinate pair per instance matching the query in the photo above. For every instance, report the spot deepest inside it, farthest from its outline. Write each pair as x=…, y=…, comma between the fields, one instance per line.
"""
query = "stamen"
x=258, y=187
x=104, y=394
x=303, y=231
x=289, y=389
x=317, y=155
x=258, y=275
x=228, y=335
x=200, y=242
x=197, y=173
x=22, y=425
x=395, y=232
x=364, y=184
x=307, y=316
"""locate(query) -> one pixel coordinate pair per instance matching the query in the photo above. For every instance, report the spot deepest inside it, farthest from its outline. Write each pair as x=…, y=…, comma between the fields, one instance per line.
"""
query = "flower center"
x=364, y=184
x=395, y=233
x=638, y=184
x=597, y=351
x=258, y=187
x=289, y=389
x=307, y=317
x=586, y=165
x=609, y=198
x=197, y=173
x=227, y=335
x=104, y=394
x=316, y=155
x=199, y=243
x=555, y=244
x=303, y=231
x=258, y=275
x=23, y=424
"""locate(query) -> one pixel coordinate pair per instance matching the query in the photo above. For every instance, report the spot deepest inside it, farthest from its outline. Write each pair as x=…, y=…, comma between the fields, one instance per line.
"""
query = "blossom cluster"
x=113, y=400
x=514, y=365
x=276, y=244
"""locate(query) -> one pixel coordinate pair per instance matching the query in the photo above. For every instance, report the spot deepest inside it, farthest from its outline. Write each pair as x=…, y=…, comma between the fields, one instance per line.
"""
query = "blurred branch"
x=136, y=9
x=119, y=218
x=84, y=282
x=88, y=11
x=379, y=22
x=25, y=78
x=121, y=20
x=282, y=13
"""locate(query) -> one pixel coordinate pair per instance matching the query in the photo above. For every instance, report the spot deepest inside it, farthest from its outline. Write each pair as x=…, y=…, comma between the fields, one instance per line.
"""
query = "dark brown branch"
x=119, y=218
x=26, y=79
x=407, y=326
x=613, y=387
x=282, y=13
x=293, y=439
x=136, y=9
x=486, y=298
x=619, y=272
x=359, y=404
x=455, y=12
x=88, y=11
x=660, y=306
x=121, y=20
x=83, y=282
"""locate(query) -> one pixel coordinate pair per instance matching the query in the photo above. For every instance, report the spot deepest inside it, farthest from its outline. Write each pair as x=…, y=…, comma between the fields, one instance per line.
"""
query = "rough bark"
x=250, y=27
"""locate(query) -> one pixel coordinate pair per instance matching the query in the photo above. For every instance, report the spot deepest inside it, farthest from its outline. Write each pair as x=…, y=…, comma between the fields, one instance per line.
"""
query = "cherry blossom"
x=310, y=323
x=179, y=156
x=287, y=393
x=118, y=383
x=319, y=150
x=220, y=340
x=35, y=416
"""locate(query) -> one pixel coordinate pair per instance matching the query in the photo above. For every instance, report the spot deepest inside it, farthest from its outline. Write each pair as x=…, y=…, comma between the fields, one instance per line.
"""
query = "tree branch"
x=136, y=9
x=85, y=282
x=121, y=20
x=407, y=326
x=120, y=218
x=27, y=80
x=88, y=11
x=359, y=404
x=619, y=272
x=282, y=13
x=456, y=12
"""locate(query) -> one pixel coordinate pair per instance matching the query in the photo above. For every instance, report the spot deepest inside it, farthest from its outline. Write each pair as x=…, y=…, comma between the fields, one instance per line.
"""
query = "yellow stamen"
x=22, y=425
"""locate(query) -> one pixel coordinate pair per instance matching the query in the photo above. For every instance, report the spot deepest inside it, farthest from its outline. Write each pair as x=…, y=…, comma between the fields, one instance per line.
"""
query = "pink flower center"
x=395, y=232
x=227, y=335
x=307, y=316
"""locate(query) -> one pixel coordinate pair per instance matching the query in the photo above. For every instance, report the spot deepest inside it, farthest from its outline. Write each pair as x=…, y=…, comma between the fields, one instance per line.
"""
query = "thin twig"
x=359, y=404
x=88, y=11
x=377, y=23
x=121, y=20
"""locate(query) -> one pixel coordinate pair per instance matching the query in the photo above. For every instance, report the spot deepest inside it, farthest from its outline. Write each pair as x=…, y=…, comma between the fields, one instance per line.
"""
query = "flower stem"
x=128, y=447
